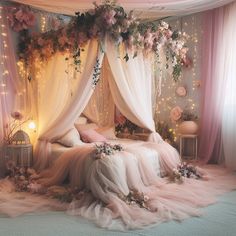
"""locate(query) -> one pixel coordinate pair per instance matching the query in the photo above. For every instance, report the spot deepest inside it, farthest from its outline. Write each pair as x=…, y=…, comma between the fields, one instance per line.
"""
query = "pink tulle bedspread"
x=124, y=190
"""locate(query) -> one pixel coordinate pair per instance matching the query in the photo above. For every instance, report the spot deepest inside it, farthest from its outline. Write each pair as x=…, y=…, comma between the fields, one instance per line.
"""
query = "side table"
x=183, y=138
x=22, y=155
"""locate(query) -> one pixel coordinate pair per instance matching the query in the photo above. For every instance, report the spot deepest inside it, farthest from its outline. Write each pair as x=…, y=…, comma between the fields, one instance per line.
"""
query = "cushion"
x=70, y=138
x=82, y=127
x=81, y=120
x=90, y=135
x=107, y=132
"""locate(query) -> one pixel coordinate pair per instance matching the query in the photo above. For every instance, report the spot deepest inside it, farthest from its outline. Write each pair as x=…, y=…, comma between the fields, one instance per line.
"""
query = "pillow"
x=70, y=138
x=81, y=120
x=107, y=132
x=83, y=127
x=90, y=135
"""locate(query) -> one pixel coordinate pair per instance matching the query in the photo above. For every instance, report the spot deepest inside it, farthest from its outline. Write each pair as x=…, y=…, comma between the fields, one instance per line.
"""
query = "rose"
x=21, y=18
x=181, y=91
x=176, y=113
x=109, y=17
x=16, y=115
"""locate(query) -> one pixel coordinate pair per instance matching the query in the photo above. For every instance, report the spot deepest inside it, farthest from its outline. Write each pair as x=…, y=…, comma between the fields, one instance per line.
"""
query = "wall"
x=190, y=78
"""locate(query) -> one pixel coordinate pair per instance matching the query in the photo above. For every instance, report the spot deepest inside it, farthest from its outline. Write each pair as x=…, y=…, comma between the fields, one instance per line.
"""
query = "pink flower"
x=82, y=38
x=47, y=51
x=62, y=40
x=16, y=115
x=109, y=17
x=181, y=91
x=55, y=23
x=21, y=18
x=40, y=41
x=175, y=114
x=93, y=31
x=187, y=62
x=120, y=119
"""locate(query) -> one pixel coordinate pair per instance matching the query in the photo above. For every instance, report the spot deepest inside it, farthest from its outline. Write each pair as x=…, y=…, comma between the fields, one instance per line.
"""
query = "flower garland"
x=185, y=170
x=107, y=19
x=106, y=149
x=136, y=198
x=21, y=18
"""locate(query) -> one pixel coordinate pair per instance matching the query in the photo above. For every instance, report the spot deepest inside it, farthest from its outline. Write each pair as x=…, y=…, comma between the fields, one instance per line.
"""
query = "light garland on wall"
x=169, y=99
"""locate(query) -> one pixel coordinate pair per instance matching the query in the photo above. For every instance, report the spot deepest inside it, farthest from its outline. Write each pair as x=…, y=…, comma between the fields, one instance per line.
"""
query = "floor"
x=217, y=220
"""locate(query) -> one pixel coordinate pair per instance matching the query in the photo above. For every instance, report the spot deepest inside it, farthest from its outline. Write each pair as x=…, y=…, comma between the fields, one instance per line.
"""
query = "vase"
x=188, y=127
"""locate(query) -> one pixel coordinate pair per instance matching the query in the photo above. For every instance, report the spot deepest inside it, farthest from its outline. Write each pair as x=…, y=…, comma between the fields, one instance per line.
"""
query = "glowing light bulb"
x=32, y=125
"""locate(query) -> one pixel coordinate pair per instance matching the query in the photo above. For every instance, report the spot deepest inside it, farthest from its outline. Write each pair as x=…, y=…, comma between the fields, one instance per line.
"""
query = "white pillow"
x=81, y=120
x=70, y=139
x=107, y=132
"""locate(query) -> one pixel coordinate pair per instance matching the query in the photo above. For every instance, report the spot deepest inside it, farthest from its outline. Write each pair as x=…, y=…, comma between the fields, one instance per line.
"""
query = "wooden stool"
x=182, y=138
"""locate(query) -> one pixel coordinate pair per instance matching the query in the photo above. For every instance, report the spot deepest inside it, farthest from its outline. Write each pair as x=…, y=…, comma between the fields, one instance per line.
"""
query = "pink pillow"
x=90, y=135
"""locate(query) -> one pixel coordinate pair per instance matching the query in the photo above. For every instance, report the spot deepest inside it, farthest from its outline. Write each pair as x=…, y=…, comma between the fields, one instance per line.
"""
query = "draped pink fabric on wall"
x=212, y=88
x=8, y=81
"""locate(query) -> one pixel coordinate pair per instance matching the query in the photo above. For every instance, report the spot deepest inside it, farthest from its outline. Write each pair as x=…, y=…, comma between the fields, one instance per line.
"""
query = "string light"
x=5, y=73
x=43, y=23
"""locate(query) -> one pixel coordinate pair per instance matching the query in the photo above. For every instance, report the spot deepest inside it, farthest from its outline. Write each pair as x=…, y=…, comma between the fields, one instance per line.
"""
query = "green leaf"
x=126, y=57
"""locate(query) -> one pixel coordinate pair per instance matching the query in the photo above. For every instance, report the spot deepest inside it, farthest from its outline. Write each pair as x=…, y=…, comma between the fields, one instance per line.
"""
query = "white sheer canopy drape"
x=131, y=88
x=63, y=99
x=159, y=8
x=101, y=107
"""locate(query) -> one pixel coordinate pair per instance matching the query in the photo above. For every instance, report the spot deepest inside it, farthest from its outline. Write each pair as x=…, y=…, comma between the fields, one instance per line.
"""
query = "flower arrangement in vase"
x=186, y=118
x=188, y=123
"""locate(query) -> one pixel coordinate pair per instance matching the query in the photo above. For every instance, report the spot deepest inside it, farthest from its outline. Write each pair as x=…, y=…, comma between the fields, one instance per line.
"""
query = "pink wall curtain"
x=8, y=81
x=213, y=91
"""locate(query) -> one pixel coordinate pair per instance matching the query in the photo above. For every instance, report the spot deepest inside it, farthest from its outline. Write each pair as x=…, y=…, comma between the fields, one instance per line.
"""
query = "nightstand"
x=185, y=137
x=22, y=155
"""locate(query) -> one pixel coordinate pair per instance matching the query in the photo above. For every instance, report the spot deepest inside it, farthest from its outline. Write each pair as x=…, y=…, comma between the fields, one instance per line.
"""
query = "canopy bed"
x=116, y=183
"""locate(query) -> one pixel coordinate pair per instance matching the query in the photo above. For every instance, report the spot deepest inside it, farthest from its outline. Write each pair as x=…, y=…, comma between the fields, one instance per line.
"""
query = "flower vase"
x=188, y=127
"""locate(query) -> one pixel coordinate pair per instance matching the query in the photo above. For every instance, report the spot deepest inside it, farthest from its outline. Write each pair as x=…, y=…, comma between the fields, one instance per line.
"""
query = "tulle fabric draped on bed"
x=106, y=181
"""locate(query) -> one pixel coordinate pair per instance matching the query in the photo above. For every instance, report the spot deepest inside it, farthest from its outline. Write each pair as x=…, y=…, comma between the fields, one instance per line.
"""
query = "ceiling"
x=144, y=9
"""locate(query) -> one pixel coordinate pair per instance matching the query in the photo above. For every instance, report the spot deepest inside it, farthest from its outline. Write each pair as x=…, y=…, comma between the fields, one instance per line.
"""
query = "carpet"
x=217, y=220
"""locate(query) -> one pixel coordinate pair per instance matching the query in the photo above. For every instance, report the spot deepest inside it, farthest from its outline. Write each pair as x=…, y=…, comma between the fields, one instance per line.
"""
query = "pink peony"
x=82, y=38
x=120, y=119
x=109, y=17
x=21, y=18
x=41, y=41
x=62, y=40
x=187, y=62
x=16, y=115
x=175, y=114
